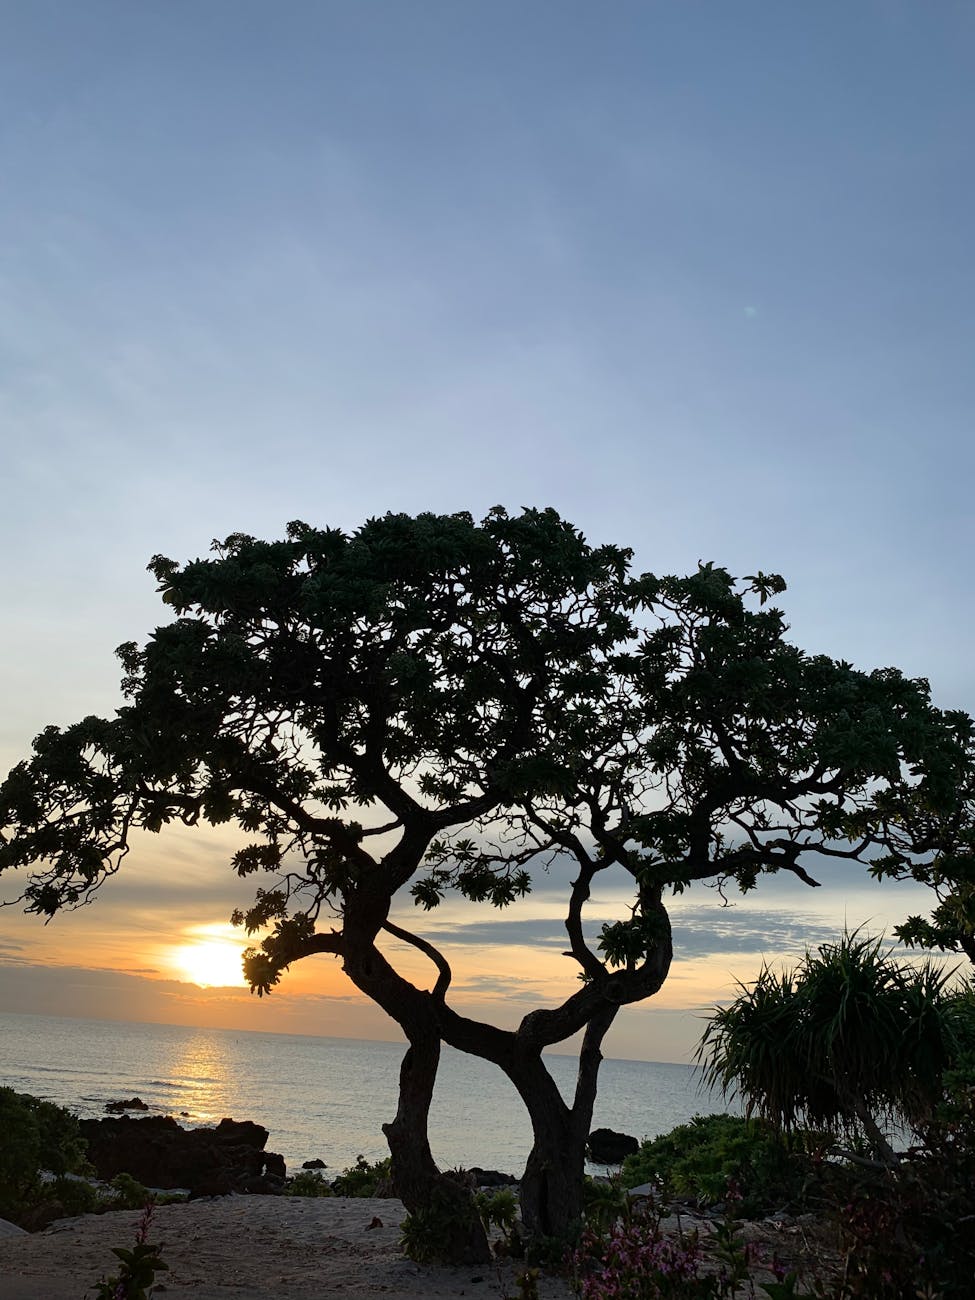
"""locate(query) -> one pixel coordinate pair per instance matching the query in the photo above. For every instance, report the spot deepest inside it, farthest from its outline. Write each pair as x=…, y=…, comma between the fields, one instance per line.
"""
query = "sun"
x=210, y=963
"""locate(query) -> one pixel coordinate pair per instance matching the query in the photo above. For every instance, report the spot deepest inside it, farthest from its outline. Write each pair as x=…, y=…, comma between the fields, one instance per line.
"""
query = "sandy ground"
x=249, y=1248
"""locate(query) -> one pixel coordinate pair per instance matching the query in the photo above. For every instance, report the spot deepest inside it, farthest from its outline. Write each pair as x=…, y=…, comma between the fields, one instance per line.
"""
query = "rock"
x=491, y=1178
x=8, y=1229
x=156, y=1151
x=134, y=1103
x=41, y=1215
x=210, y=1188
x=314, y=1164
x=607, y=1147
x=274, y=1166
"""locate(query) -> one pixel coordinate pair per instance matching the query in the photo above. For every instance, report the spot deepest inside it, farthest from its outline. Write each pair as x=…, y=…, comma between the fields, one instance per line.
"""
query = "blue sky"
x=697, y=274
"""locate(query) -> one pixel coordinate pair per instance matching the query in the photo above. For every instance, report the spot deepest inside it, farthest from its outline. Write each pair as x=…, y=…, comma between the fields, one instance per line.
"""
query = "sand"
x=249, y=1248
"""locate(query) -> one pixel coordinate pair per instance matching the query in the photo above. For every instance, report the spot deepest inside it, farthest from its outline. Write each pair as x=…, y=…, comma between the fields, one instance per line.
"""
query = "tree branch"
x=439, y=989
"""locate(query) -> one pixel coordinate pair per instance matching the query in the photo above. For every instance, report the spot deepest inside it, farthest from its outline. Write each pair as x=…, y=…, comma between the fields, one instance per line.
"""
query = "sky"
x=696, y=274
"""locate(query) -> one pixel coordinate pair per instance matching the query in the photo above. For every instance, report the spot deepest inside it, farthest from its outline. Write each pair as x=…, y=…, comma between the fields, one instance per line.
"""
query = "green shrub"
x=697, y=1161
x=37, y=1135
x=498, y=1209
x=77, y=1196
x=364, y=1179
x=433, y=1233
x=308, y=1182
x=127, y=1194
x=606, y=1201
x=423, y=1233
x=907, y=1230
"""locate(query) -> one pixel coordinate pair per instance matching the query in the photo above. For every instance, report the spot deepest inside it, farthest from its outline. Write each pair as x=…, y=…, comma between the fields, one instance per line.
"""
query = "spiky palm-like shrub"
x=846, y=1041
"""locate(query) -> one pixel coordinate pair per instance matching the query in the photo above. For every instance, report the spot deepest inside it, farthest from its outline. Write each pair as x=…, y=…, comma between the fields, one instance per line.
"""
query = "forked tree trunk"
x=553, y=1186
x=457, y=1235
x=438, y=1202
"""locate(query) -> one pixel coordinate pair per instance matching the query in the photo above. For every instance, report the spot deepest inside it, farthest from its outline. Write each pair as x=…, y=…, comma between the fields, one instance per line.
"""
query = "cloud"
x=700, y=930
x=510, y=987
x=540, y=933
x=705, y=931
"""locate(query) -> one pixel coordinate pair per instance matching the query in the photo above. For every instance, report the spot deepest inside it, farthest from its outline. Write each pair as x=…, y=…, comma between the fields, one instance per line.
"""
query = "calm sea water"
x=324, y=1097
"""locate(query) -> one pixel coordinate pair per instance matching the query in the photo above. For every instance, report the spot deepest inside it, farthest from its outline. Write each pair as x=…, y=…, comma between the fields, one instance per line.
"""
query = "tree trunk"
x=553, y=1186
x=882, y=1149
x=455, y=1233
x=445, y=1225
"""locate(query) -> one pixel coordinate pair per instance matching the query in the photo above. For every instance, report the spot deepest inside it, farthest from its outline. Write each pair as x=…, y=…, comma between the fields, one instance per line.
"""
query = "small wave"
x=71, y=1071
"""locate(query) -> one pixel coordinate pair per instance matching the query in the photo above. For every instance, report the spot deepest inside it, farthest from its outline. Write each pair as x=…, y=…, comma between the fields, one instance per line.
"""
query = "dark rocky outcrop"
x=117, y=1107
x=607, y=1147
x=491, y=1178
x=159, y=1153
x=314, y=1164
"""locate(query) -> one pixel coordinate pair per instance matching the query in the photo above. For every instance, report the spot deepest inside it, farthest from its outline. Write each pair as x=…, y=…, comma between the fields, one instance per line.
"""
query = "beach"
x=309, y=1248
x=250, y=1248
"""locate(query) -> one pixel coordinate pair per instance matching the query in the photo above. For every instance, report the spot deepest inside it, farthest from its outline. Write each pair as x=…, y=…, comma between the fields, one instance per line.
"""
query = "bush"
x=907, y=1230
x=308, y=1182
x=364, y=1179
x=432, y=1233
x=77, y=1196
x=498, y=1209
x=696, y=1161
x=634, y=1260
x=37, y=1135
x=127, y=1194
x=607, y=1199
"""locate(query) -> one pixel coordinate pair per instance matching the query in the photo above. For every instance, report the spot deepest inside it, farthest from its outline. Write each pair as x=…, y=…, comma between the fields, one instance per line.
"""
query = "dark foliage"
x=850, y=1038
x=697, y=1161
x=39, y=1136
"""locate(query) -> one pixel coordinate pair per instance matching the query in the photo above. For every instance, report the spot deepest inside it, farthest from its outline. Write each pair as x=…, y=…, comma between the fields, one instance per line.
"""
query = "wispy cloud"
x=699, y=931
x=529, y=933
x=704, y=931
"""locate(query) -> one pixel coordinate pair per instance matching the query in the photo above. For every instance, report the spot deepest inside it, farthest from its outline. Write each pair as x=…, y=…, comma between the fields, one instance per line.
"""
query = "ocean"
x=319, y=1097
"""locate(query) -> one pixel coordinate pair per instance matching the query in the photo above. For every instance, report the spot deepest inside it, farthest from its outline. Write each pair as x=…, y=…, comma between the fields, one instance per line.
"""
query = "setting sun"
x=210, y=962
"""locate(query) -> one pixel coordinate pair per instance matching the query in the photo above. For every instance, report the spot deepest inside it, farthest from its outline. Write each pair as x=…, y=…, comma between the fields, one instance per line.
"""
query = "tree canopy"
x=431, y=705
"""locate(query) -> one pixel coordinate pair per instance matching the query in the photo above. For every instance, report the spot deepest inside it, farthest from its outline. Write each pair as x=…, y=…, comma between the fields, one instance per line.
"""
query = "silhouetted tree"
x=431, y=705
x=939, y=852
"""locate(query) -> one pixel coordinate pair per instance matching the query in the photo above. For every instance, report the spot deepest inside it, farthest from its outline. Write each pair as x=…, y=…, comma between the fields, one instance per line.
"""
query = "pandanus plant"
x=850, y=1042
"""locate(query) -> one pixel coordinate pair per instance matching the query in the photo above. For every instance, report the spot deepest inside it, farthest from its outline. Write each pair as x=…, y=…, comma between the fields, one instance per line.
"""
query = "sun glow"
x=210, y=960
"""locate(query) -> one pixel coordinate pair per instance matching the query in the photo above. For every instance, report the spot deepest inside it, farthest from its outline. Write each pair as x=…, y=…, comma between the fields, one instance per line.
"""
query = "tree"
x=939, y=852
x=848, y=1039
x=430, y=705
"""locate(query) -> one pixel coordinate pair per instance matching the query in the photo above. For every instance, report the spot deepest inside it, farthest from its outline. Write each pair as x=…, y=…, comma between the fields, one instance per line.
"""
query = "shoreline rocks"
x=118, y=1107
x=607, y=1147
x=159, y=1152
